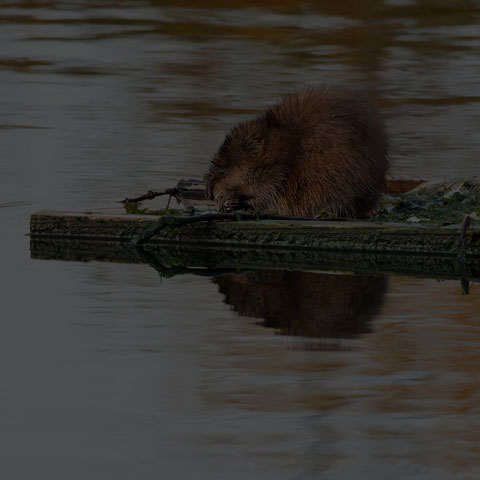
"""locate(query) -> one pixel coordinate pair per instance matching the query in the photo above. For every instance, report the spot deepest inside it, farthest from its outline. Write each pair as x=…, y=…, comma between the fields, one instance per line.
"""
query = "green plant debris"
x=136, y=209
x=438, y=203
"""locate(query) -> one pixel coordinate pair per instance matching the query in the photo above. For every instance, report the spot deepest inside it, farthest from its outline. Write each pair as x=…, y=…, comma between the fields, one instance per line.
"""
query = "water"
x=109, y=372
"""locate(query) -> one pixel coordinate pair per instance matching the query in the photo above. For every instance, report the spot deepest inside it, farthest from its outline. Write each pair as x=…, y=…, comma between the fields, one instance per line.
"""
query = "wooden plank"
x=397, y=186
x=355, y=236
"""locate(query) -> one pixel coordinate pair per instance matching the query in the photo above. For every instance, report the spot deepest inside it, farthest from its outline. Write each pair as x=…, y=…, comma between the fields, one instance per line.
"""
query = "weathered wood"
x=355, y=236
x=396, y=186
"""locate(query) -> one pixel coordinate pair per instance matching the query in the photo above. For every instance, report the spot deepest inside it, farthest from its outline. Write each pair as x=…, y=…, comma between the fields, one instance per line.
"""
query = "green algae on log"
x=355, y=236
x=436, y=202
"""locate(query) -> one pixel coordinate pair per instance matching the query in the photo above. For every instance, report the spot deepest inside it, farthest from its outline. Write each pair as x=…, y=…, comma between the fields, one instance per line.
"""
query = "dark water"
x=109, y=372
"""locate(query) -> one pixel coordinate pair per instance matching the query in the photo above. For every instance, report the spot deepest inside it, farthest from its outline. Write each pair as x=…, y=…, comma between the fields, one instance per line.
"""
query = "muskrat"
x=321, y=151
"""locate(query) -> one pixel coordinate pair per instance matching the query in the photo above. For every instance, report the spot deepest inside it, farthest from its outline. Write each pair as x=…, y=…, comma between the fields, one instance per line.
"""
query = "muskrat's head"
x=241, y=175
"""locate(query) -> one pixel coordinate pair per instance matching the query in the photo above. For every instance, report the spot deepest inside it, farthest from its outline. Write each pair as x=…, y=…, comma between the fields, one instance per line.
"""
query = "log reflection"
x=306, y=304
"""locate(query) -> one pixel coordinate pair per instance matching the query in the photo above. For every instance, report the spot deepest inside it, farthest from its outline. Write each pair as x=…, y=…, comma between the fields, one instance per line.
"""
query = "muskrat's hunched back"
x=319, y=151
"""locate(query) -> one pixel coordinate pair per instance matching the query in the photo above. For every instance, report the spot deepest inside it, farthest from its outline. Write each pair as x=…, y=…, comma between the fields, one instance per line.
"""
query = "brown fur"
x=320, y=151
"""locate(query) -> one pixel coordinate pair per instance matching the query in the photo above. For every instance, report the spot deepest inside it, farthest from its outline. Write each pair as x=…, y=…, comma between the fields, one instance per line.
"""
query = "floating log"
x=360, y=247
x=353, y=236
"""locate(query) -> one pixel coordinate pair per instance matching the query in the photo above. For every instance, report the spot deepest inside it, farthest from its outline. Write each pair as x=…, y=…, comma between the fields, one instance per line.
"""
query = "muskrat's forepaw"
x=230, y=205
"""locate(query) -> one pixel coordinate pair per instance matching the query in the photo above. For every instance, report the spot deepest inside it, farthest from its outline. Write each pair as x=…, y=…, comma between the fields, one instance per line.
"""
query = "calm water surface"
x=110, y=372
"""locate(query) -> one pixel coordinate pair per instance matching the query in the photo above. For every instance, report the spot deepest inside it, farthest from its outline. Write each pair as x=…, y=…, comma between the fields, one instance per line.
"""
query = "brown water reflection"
x=305, y=304
x=402, y=403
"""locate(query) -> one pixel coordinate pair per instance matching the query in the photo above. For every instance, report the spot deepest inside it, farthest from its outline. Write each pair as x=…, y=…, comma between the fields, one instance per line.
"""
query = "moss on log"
x=353, y=236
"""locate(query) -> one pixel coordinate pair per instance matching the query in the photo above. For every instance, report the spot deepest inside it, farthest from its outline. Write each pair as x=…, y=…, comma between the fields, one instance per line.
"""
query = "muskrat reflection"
x=306, y=304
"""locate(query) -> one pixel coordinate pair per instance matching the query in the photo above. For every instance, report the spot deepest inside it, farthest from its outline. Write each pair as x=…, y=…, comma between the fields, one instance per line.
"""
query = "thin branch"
x=173, y=192
x=150, y=195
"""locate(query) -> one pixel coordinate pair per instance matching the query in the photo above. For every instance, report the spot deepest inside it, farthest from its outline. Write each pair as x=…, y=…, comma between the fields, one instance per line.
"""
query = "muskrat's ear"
x=253, y=144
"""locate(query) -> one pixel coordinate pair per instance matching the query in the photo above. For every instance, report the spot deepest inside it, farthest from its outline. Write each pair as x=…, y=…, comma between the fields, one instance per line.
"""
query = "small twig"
x=462, y=255
x=173, y=192
x=150, y=195
x=208, y=217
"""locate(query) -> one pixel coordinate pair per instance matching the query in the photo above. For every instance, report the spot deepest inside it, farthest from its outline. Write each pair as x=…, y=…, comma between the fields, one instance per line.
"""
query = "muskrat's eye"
x=221, y=171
